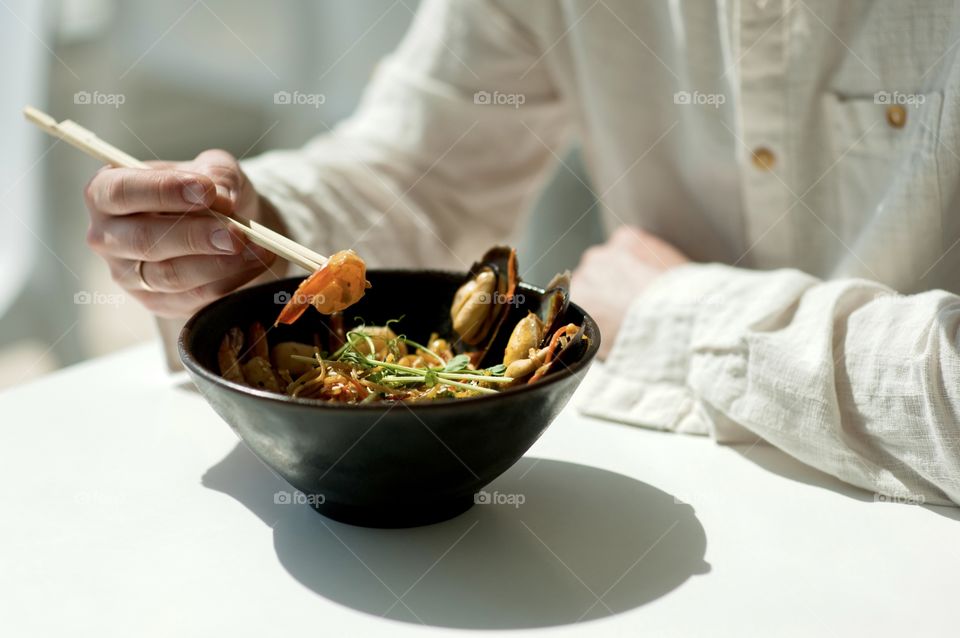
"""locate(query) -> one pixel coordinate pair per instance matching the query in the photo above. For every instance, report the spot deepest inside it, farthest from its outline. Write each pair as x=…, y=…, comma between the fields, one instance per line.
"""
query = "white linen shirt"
x=804, y=153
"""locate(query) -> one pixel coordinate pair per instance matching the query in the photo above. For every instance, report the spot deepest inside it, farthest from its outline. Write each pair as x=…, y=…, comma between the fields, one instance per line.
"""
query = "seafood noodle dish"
x=491, y=340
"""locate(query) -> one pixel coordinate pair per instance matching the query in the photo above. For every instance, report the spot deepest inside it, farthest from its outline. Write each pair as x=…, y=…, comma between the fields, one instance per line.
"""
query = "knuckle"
x=89, y=194
x=168, y=275
x=196, y=238
x=225, y=265
x=140, y=240
x=114, y=193
x=94, y=238
x=216, y=156
x=219, y=165
x=157, y=185
x=167, y=188
x=154, y=190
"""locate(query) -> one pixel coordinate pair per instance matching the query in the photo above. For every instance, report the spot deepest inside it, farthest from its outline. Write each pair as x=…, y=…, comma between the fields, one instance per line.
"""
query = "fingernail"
x=221, y=240
x=194, y=193
x=253, y=253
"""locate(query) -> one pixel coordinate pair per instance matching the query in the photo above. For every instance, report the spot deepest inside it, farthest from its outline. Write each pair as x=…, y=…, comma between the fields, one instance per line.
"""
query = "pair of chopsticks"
x=85, y=140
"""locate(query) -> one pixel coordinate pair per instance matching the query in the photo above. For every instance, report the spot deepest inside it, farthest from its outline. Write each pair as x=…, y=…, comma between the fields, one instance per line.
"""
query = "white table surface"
x=129, y=509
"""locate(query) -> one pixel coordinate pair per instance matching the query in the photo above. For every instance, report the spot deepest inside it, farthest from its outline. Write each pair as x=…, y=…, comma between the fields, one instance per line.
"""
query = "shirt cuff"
x=644, y=381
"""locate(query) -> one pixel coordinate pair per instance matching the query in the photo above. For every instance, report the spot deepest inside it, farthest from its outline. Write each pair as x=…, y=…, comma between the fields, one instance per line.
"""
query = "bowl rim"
x=194, y=366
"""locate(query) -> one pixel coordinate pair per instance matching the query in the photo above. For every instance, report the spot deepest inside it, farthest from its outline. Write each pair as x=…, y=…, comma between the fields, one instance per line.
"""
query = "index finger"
x=121, y=191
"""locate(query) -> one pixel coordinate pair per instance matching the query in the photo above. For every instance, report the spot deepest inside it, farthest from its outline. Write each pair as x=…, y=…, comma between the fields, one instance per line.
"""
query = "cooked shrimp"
x=228, y=356
x=339, y=284
x=257, y=338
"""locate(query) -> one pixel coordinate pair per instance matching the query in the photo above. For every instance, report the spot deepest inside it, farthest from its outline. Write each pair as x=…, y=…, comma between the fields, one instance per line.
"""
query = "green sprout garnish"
x=455, y=373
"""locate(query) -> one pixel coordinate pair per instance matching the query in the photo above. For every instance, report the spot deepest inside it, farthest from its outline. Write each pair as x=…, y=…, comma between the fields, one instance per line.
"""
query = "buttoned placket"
x=763, y=36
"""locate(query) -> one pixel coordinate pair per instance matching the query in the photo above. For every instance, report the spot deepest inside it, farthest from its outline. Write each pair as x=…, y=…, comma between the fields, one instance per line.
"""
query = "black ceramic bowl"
x=380, y=465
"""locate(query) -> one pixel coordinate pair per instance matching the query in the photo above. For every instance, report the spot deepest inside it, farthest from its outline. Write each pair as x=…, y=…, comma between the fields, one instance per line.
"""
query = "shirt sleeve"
x=453, y=139
x=846, y=376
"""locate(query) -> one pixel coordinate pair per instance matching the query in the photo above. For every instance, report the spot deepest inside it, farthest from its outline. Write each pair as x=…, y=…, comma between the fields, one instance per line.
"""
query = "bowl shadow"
x=558, y=543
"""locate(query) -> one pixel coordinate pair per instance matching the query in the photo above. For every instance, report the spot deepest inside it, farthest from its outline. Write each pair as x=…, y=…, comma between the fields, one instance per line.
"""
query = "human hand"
x=155, y=216
x=612, y=275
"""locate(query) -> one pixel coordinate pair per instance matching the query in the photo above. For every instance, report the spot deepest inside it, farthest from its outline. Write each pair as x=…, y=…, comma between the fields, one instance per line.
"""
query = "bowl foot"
x=395, y=516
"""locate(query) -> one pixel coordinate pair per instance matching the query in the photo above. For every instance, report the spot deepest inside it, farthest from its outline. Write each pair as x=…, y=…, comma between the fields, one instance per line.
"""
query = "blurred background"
x=167, y=80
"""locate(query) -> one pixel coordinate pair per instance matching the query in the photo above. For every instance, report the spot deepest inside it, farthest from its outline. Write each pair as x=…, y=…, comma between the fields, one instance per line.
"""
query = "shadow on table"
x=779, y=462
x=585, y=543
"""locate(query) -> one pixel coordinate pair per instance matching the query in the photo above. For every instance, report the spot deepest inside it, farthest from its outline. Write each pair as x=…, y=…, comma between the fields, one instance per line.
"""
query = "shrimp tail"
x=290, y=313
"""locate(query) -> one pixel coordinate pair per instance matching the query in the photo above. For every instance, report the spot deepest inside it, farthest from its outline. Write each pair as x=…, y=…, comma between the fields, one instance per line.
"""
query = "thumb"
x=221, y=167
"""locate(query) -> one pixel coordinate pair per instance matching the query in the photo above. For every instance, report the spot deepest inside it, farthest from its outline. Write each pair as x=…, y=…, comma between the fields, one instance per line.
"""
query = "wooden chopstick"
x=85, y=140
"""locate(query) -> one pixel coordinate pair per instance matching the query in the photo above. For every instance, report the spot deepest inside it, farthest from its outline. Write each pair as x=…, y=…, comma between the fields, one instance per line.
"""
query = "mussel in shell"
x=529, y=347
x=539, y=341
x=482, y=303
x=533, y=330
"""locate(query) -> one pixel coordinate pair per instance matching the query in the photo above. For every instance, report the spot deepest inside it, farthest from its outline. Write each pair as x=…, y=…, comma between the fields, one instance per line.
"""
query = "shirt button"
x=763, y=158
x=896, y=116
